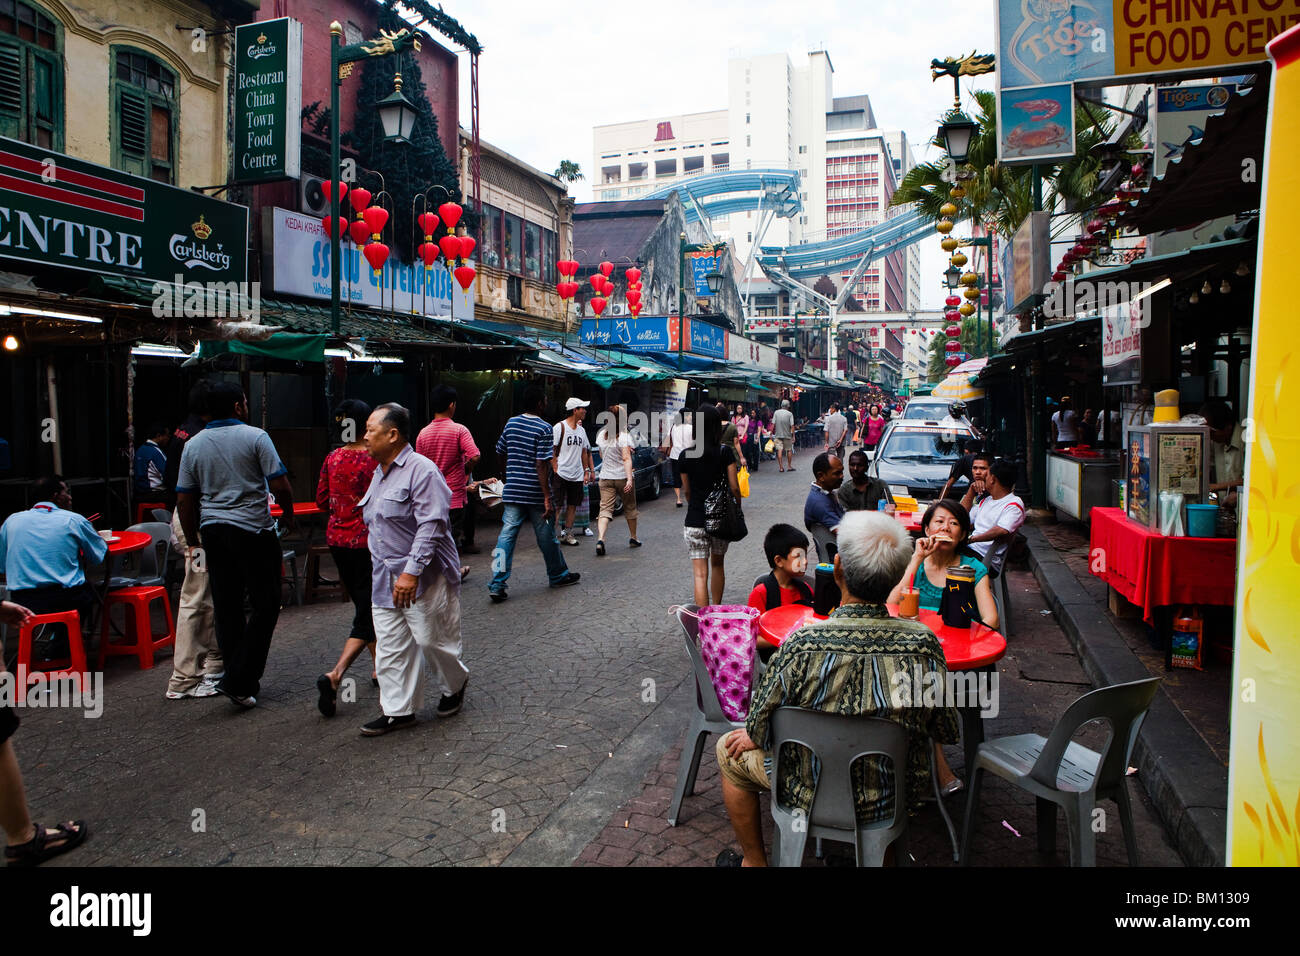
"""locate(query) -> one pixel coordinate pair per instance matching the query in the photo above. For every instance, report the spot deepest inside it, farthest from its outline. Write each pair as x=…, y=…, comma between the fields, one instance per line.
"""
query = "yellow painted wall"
x=91, y=29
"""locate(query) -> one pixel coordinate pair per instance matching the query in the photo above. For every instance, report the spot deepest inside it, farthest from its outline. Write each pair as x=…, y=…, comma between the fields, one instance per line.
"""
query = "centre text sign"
x=268, y=101
x=1097, y=42
x=60, y=211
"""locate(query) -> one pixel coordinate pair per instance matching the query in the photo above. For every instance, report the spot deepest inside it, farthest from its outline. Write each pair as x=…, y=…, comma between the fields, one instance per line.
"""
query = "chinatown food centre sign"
x=1046, y=46
x=268, y=101
x=60, y=211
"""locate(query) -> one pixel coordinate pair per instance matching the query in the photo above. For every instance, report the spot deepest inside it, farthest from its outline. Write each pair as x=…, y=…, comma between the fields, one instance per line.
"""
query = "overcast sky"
x=549, y=74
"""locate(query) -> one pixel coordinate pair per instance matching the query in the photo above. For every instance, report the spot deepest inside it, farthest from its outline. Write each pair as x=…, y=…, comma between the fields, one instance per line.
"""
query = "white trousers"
x=428, y=629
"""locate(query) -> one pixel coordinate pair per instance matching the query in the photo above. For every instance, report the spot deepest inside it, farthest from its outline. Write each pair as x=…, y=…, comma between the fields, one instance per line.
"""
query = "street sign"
x=268, y=101
x=59, y=211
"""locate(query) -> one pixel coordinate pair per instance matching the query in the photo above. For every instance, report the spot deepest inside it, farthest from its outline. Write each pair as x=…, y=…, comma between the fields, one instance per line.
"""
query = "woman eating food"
x=945, y=526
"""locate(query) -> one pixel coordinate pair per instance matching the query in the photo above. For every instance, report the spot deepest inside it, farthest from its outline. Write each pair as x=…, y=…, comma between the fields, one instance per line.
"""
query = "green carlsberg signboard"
x=268, y=101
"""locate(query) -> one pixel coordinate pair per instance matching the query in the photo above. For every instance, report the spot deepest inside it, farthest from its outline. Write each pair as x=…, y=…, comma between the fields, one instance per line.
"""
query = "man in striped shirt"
x=415, y=593
x=527, y=450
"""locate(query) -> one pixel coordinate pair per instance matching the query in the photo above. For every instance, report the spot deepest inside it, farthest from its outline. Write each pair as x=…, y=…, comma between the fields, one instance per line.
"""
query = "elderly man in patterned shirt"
x=415, y=592
x=851, y=664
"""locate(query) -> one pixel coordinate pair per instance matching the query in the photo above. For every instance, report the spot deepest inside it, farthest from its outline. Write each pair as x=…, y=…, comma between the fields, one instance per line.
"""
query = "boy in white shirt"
x=999, y=515
x=572, y=463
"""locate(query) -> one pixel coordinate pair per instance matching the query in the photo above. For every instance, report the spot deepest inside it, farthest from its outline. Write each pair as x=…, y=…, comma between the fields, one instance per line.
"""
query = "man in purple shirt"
x=415, y=592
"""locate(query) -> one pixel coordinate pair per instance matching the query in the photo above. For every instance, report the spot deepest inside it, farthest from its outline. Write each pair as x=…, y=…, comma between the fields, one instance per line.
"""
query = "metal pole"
x=681, y=297
x=336, y=36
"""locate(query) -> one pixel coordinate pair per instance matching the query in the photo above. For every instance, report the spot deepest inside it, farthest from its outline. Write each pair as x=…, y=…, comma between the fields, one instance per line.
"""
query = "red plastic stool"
x=144, y=510
x=71, y=667
x=141, y=641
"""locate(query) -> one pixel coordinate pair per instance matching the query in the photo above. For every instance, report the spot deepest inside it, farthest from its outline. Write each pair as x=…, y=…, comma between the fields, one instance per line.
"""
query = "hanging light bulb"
x=1242, y=268
x=1206, y=288
x=1224, y=287
x=1194, y=298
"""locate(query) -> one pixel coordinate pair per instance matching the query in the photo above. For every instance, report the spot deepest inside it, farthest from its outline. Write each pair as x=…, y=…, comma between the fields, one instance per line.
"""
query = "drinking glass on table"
x=909, y=605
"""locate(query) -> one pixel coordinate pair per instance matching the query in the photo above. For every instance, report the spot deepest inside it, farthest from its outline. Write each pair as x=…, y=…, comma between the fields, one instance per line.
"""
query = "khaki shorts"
x=700, y=544
x=610, y=490
x=784, y=445
x=747, y=771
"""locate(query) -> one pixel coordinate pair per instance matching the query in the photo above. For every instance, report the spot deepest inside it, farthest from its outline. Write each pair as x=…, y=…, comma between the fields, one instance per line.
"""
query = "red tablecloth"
x=1152, y=570
x=964, y=648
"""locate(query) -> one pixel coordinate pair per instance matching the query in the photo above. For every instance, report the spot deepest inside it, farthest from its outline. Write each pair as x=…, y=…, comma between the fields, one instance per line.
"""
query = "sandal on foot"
x=633, y=543
x=600, y=547
x=38, y=849
x=328, y=695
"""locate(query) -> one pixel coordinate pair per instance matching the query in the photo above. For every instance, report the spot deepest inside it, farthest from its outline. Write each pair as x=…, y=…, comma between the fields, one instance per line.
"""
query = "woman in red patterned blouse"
x=344, y=478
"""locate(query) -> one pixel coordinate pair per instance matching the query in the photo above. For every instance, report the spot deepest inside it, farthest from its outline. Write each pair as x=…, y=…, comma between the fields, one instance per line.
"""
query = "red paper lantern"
x=562, y=289
x=376, y=218
x=359, y=231
x=952, y=345
x=360, y=199
x=429, y=253
x=598, y=305
x=952, y=331
x=1079, y=250
x=450, y=246
x=1095, y=226
x=1058, y=276
x=952, y=361
x=327, y=188
x=606, y=268
x=343, y=226
x=429, y=223
x=952, y=301
x=633, y=298
x=567, y=267
x=952, y=315
x=597, y=282
x=467, y=245
x=465, y=276
x=376, y=254
x=633, y=277
x=450, y=213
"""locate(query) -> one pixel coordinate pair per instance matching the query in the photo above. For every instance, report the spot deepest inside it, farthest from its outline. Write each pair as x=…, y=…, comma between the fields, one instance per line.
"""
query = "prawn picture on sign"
x=1036, y=124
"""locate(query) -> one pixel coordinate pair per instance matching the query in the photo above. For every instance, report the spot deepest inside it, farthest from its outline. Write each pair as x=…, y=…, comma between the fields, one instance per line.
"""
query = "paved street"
x=566, y=749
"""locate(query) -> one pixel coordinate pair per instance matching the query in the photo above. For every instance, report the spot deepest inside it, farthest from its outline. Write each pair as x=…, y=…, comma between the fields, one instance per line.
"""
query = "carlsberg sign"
x=60, y=211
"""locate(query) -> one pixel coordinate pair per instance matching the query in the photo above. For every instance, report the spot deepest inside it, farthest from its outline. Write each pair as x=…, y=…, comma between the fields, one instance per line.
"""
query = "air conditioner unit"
x=312, y=200
x=617, y=310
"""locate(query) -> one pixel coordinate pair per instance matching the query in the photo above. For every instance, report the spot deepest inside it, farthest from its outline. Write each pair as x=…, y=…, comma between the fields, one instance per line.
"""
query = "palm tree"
x=569, y=171
x=1001, y=196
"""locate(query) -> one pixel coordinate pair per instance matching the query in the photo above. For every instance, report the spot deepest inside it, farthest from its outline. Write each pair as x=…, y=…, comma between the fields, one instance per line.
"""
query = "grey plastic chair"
x=163, y=515
x=153, y=559
x=1059, y=772
x=997, y=558
x=837, y=742
x=708, y=718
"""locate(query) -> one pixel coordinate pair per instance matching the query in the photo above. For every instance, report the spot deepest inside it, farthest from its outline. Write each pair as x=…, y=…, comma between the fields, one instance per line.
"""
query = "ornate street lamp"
x=957, y=131
x=397, y=113
x=714, y=280
x=952, y=276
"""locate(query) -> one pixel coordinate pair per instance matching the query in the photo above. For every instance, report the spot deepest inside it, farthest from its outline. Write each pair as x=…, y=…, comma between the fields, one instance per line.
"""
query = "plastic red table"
x=963, y=648
x=128, y=542
x=911, y=520
x=301, y=509
x=1157, y=572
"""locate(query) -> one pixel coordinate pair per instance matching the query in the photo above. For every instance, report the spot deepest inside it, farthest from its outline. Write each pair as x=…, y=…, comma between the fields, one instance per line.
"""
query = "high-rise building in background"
x=779, y=115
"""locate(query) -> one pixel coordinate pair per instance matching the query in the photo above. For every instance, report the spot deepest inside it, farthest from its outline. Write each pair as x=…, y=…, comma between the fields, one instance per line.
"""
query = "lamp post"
x=952, y=276
x=683, y=249
x=395, y=110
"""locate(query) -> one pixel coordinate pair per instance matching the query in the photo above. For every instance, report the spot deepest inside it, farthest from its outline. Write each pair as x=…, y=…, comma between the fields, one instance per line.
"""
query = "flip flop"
x=328, y=695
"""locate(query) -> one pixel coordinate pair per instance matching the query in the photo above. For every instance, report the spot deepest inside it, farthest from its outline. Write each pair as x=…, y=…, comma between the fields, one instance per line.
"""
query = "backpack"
x=773, y=591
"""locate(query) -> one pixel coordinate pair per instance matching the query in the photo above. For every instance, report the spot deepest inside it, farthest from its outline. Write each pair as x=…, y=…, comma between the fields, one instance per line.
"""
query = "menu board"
x=1138, y=476
x=1180, y=463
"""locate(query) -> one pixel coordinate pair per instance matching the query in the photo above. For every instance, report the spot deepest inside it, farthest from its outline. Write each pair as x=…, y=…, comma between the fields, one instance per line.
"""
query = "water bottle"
x=882, y=504
x=826, y=593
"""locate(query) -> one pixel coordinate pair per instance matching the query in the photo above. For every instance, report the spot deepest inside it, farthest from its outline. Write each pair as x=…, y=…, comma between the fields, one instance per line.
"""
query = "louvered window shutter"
x=133, y=132
x=11, y=90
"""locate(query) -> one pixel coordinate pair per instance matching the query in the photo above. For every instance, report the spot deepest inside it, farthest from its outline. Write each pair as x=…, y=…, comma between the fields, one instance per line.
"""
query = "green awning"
x=287, y=346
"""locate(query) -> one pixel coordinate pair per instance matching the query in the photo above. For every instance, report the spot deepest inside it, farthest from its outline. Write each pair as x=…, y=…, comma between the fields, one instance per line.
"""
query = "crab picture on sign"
x=1036, y=124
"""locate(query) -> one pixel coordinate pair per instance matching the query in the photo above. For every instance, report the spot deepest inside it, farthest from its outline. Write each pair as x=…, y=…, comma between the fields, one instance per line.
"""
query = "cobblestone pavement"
x=576, y=705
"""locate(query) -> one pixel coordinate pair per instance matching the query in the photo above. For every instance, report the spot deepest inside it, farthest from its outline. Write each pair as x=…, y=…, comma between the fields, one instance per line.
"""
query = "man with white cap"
x=572, y=463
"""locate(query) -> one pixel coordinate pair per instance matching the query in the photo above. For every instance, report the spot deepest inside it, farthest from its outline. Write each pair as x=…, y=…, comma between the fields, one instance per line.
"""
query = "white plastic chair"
x=708, y=717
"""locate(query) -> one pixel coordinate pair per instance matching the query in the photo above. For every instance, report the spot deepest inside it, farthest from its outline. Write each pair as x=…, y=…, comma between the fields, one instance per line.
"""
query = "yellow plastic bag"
x=742, y=479
x=770, y=446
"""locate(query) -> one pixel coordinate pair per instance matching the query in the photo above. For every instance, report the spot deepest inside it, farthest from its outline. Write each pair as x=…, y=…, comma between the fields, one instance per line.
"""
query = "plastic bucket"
x=1200, y=520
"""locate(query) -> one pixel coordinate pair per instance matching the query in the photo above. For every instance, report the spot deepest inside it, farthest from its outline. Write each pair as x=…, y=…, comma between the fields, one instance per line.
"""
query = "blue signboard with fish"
x=1036, y=124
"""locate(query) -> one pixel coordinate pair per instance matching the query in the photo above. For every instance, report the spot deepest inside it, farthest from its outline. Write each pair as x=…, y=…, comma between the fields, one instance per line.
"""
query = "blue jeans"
x=503, y=557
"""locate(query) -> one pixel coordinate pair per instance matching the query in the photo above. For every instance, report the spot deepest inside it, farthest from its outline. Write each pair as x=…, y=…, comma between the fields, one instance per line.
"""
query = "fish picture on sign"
x=1036, y=124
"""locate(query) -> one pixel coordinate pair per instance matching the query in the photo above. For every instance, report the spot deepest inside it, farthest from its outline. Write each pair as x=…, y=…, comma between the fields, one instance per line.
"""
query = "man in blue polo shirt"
x=822, y=510
x=41, y=551
x=526, y=447
x=229, y=466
